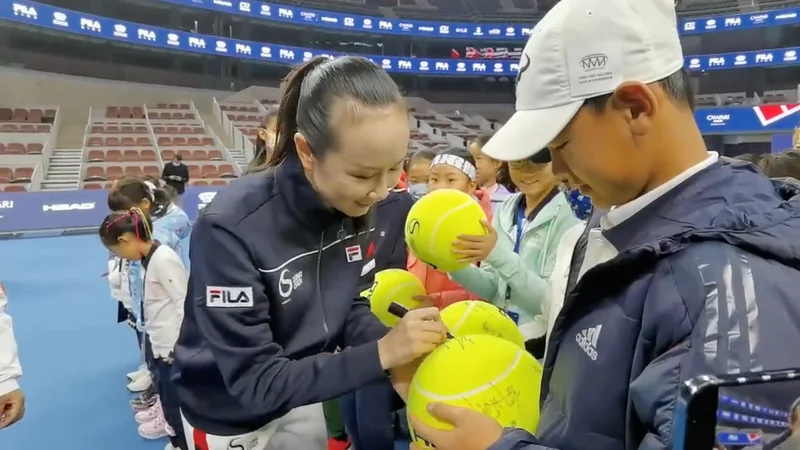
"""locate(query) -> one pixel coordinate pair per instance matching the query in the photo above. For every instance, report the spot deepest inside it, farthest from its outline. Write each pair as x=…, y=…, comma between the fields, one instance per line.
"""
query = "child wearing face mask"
x=451, y=169
x=417, y=170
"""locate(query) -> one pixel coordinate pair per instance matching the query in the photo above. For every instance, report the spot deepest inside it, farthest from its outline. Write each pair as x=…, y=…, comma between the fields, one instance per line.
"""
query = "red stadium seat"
x=226, y=171
x=35, y=149
x=130, y=155
x=114, y=173
x=15, y=149
x=152, y=170
x=96, y=173
x=114, y=156
x=215, y=155
x=23, y=174
x=199, y=155
x=96, y=156
x=6, y=175
x=133, y=170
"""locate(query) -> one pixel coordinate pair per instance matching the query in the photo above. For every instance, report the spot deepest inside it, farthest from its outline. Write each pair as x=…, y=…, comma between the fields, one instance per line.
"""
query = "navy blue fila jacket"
x=388, y=247
x=706, y=282
x=272, y=293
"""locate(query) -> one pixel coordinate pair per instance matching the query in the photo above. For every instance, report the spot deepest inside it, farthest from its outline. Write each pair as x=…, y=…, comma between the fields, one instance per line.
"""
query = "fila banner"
x=68, y=210
x=66, y=21
x=308, y=17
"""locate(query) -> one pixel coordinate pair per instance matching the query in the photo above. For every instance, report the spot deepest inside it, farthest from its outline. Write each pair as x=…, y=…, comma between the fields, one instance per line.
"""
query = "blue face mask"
x=581, y=204
x=417, y=190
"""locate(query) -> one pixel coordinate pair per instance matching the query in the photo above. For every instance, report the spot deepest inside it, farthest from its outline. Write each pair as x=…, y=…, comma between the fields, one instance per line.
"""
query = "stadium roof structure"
x=512, y=10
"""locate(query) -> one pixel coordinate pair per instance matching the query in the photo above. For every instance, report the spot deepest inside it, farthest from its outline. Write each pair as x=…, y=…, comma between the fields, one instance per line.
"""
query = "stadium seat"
x=23, y=174
x=6, y=175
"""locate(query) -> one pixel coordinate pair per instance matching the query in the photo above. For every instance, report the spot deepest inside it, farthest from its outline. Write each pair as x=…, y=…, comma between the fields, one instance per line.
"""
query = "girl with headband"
x=450, y=169
x=129, y=235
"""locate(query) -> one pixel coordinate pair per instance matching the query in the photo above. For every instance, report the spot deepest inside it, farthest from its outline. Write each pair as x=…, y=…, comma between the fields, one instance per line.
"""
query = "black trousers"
x=169, y=401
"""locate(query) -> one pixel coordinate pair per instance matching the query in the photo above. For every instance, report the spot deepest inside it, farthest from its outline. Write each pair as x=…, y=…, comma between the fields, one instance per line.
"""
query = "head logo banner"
x=69, y=210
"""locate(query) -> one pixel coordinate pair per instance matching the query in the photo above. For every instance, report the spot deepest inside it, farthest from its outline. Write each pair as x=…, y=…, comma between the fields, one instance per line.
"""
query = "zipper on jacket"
x=319, y=289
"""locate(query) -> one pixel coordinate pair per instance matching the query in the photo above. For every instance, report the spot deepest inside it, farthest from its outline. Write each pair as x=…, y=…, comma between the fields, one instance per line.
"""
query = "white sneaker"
x=140, y=384
x=171, y=447
x=138, y=373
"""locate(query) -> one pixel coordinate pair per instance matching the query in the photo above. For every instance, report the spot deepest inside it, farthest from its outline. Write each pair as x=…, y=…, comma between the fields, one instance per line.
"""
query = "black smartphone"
x=750, y=411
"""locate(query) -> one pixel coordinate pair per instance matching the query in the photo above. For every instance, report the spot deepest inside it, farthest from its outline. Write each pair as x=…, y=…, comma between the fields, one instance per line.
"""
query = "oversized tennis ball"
x=393, y=285
x=434, y=222
x=479, y=317
x=480, y=372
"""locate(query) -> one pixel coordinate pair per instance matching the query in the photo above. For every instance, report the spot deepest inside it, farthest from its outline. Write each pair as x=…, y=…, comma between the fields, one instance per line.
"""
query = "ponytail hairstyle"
x=503, y=176
x=262, y=147
x=309, y=95
x=132, y=192
x=159, y=183
x=119, y=223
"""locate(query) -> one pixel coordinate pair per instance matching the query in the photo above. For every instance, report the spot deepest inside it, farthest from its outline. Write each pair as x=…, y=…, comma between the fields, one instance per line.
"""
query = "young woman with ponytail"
x=265, y=140
x=493, y=175
x=272, y=327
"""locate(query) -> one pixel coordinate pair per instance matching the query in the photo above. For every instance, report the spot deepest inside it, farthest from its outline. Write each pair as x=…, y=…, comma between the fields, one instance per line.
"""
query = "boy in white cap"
x=693, y=270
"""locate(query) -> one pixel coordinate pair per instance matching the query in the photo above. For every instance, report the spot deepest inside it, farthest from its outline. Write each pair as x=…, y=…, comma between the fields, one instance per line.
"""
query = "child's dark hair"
x=261, y=152
x=780, y=165
x=419, y=155
x=118, y=223
x=130, y=191
x=503, y=175
x=310, y=93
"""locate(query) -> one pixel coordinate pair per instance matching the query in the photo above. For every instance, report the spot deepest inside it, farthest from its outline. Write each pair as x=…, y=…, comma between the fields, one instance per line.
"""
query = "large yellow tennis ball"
x=480, y=372
x=434, y=222
x=393, y=285
x=479, y=317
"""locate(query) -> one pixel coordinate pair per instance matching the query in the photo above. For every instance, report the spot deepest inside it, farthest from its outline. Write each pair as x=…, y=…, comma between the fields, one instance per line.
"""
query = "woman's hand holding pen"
x=418, y=333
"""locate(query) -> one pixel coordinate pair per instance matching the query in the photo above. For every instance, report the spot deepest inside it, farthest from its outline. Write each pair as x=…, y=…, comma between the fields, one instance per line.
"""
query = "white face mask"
x=176, y=163
x=417, y=190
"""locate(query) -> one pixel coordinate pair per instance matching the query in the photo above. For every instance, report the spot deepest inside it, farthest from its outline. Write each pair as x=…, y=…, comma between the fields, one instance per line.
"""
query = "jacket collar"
x=508, y=211
x=301, y=198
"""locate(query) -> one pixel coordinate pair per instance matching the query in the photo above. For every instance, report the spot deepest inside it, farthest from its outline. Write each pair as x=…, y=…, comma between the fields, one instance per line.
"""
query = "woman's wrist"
x=384, y=354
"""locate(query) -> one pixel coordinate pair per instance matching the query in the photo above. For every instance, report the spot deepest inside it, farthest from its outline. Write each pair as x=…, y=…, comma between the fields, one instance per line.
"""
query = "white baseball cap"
x=583, y=49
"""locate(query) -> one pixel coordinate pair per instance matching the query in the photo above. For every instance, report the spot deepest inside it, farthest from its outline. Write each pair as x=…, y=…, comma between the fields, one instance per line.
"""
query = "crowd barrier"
x=64, y=211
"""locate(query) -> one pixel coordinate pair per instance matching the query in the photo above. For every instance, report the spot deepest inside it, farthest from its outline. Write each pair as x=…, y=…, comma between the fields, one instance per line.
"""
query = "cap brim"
x=528, y=132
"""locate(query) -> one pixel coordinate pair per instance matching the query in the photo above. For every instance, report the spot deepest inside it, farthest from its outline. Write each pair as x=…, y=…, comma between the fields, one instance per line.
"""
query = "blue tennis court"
x=74, y=356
